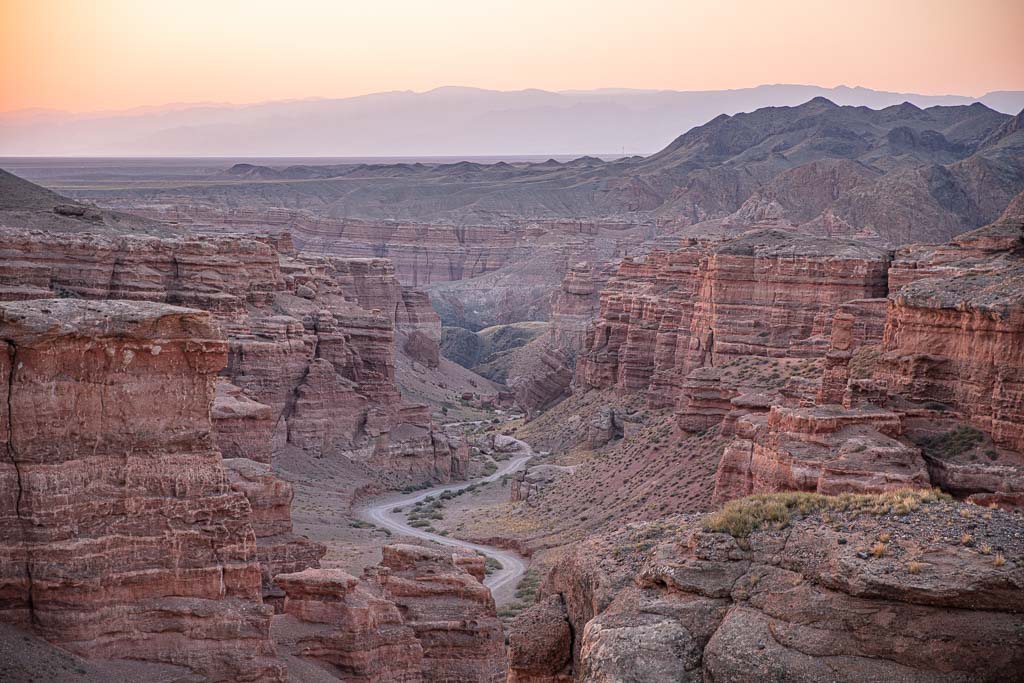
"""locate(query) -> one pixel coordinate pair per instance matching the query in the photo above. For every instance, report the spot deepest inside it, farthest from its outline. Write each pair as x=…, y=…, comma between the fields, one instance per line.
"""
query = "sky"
x=101, y=55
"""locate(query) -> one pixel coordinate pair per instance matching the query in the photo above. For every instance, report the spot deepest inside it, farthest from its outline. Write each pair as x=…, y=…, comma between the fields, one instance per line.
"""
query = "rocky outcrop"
x=349, y=626
x=540, y=644
x=244, y=427
x=121, y=534
x=311, y=339
x=421, y=615
x=856, y=325
x=960, y=342
x=822, y=599
x=825, y=449
x=278, y=549
x=530, y=481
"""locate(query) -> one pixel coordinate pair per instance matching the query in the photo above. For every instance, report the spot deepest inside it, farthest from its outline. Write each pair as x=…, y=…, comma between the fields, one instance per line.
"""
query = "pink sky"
x=86, y=55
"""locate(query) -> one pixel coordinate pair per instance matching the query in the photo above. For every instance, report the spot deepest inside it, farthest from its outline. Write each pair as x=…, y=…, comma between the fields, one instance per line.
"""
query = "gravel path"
x=502, y=582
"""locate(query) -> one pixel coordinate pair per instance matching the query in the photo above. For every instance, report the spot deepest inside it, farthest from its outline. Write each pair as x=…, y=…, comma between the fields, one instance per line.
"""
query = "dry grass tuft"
x=739, y=518
x=878, y=549
x=998, y=560
x=915, y=567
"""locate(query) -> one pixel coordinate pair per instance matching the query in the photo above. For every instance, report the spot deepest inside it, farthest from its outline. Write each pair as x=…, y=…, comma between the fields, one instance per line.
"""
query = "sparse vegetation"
x=492, y=565
x=952, y=443
x=915, y=567
x=529, y=584
x=739, y=518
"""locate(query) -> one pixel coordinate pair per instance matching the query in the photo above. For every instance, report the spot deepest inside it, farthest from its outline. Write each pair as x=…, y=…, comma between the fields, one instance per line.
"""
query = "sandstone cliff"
x=768, y=294
x=121, y=533
x=311, y=340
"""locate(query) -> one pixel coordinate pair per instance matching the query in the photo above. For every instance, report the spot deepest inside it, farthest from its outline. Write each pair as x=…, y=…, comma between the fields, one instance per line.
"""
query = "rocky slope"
x=863, y=588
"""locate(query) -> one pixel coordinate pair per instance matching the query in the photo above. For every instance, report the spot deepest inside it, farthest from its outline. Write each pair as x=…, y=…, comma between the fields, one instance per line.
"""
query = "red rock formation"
x=824, y=449
x=423, y=614
x=270, y=499
x=452, y=613
x=121, y=534
x=312, y=339
x=856, y=324
x=348, y=626
x=768, y=293
x=244, y=427
x=960, y=341
x=540, y=645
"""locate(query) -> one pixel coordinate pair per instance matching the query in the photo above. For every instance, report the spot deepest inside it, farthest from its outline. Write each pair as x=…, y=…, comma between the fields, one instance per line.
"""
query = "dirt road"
x=502, y=582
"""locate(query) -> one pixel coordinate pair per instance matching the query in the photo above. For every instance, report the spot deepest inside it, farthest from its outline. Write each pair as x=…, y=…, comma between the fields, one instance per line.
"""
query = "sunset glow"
x=85, y=55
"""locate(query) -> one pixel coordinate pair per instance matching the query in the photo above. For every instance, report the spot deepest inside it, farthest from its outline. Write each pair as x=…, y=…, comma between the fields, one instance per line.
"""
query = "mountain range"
x=449, y=121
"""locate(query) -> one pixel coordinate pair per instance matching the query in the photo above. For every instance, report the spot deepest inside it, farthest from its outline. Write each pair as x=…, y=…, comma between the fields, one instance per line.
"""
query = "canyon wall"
x=423, y=253
x=120, y=529
x=836, y=367
x=125, y=534
x=768, y=294
x=547, y=374
x=311, y=340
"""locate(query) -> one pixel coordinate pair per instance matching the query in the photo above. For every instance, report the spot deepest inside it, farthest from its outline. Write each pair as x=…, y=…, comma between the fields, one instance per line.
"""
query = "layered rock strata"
x=121, y=533
x=311, y=340
x=825, y=449
x=278, y=548
x=768, y=293
x=421, y=615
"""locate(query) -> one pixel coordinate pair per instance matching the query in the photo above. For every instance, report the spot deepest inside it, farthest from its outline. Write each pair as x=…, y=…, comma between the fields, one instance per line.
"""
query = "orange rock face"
x=120, y=531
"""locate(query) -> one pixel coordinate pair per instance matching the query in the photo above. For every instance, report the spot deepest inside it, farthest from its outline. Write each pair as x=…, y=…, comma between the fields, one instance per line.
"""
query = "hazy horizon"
x=160, y=107
x=451, y=122
x=111, y=55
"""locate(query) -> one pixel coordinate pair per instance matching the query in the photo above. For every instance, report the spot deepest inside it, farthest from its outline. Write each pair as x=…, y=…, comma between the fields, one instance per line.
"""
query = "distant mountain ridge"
x=895, y=175
x=449, y=121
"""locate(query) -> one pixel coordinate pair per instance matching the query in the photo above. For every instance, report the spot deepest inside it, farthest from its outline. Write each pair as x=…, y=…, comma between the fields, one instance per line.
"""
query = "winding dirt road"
x=502, y=582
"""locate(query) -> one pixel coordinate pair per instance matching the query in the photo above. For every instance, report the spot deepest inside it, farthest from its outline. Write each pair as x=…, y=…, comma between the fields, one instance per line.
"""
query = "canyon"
x=890, y=177
x=751, y=407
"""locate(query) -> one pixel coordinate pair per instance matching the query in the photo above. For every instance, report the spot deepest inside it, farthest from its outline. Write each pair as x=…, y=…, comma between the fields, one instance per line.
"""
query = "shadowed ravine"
x=502, y=582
